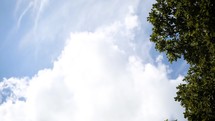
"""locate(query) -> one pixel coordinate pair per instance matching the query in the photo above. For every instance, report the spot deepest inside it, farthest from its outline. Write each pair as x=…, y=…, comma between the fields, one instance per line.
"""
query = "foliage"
x=186, y=28
x=198, y=94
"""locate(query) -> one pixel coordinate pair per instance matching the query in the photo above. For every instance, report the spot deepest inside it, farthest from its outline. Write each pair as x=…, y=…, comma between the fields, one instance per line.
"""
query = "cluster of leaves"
x=186, y=28
x=198, y=94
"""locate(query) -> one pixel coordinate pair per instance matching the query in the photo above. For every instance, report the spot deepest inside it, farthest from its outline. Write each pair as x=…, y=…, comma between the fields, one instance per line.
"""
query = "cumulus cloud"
x=44, y=26
x=13, y=89
x=99, y=76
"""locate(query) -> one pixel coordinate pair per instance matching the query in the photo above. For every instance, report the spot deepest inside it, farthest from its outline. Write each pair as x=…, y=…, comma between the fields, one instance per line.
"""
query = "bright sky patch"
x=84, y=61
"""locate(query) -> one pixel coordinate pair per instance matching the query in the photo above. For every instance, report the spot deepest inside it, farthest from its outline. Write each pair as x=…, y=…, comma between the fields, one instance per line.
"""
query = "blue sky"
x=25, y=60
x=68, y=51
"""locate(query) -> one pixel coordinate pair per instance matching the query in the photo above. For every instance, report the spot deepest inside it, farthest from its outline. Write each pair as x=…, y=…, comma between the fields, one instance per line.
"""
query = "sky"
x=84, y=60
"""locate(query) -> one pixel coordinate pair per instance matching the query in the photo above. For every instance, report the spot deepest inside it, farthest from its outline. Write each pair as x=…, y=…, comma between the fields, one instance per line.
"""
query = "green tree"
x=197, y=94
x=186, y=28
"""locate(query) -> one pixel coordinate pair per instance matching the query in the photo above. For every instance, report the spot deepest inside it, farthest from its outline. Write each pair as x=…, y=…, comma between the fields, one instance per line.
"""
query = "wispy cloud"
x=23, y=13
x=35, y=8
x=38, y=8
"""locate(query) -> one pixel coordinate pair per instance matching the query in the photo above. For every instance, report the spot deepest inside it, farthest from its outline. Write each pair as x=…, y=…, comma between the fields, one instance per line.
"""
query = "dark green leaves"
x=187, y=28
x=185, y=22
x=197, y=95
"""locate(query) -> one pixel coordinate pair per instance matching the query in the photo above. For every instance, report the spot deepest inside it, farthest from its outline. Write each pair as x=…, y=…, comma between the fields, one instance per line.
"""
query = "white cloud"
x=45, y=37
x=98, y=77
x=131, y=20
x=13, y=89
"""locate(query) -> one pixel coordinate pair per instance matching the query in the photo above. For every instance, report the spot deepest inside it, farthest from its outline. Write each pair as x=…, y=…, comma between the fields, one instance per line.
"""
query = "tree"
x=197, y=94
x=186, y=28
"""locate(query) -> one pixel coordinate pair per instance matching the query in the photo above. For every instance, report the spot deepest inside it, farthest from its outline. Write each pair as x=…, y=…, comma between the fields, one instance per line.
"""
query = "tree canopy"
x=186, y=28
